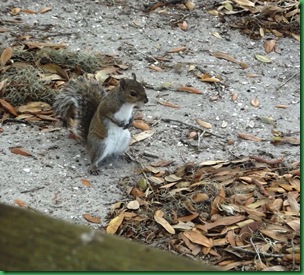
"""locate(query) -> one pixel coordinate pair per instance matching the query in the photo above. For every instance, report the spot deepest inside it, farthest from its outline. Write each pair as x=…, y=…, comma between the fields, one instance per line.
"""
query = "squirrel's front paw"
x=94, y=170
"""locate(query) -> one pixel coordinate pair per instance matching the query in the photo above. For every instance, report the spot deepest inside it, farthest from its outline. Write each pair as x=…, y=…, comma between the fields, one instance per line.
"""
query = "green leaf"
x=262, y=58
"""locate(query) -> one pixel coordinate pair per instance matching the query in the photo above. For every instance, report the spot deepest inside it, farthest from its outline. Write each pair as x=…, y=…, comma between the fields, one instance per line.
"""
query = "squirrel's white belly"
x=117, y=140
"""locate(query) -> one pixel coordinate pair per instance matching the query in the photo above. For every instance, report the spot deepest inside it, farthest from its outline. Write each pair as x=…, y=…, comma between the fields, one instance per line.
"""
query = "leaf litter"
x=243, y=213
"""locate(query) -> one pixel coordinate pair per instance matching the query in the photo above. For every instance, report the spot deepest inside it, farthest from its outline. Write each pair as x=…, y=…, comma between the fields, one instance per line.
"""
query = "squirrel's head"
x=132, y=91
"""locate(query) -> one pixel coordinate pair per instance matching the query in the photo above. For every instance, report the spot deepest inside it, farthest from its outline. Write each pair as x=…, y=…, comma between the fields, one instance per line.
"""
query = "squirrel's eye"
x=133, y=93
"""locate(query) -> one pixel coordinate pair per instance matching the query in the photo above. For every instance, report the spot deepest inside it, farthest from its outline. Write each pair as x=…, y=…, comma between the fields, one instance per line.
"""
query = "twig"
x=191, y=126
x=256, y=250
x=290, y=78
x=264, y=254
x=33, y=189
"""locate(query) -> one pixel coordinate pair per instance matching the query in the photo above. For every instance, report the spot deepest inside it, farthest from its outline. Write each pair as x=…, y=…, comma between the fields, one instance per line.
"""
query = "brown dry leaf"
x=19, y=151
x=158, y=217
x=249, y=137
x=269, y=45
x=183, y=26
x=85, y=182
x=92, y=219
x=208, y=78
x=282, y=106
x=177, y=50
x=189, y=89
x=139, y=124
x=255, y=102
x=168, y=104
x=188, y=218
x=7, y=106
x=29, y=11
x=203, y=124
x=292, y=257
x=20, y=203
x=40, y=45
x=162, y=163
x=200, y=197
x=225, y=56
x=296, y=36
x=275, y=235
x=6, y=55
x=115, y=223
x=198, y=238
x=46, y=9
x=294, y=205
x=155, y=68
x=15, y=11
x=295, y=225
x=141, y=136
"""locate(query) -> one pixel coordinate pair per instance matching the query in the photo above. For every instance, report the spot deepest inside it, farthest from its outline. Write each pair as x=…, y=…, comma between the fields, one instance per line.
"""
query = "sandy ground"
x=50, y=182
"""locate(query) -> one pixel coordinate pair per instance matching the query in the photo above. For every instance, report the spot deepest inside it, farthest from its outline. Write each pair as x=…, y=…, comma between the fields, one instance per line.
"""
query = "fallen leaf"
x=244, y=3
x=183, y=26
x=7, y=106
x=225, y=56
x=190, y=5
x=139, y=124
x=46, y=9
x=133, y=205
x=114, y=224
x=208, y=78
x=158, y=217
x=20, y=203
x=282, y=106
x=15, y=11
x=249, y=137
x=19, y=151
x=198, y=238
x=177, y=50
x=216, y=34
x=34, y=107
x=255, y=102
x=91, y=219
x=269, y=45
x=203, y=124
x=262, y=58
x=85, y=182
x=29, y=11
x=172, y=178
x=6, y=55
x=168, y=104
x=141, y=136
x=162, y=163
x=155, y=68
x=189, y=89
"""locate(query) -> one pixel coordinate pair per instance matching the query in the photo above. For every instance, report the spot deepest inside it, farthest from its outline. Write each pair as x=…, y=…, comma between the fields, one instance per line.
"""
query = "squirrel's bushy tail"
x=77, y=103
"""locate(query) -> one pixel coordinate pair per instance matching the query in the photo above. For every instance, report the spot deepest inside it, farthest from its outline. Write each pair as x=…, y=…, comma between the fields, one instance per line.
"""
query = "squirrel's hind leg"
x=96, y=150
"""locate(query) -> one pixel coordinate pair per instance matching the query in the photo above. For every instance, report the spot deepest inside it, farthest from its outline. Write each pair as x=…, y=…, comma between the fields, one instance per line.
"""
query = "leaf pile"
x=35, y=71
x=256, y=18
x=238, y=215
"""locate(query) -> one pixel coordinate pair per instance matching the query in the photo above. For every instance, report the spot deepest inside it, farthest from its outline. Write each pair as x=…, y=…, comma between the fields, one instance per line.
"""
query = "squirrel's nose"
x=146, y=100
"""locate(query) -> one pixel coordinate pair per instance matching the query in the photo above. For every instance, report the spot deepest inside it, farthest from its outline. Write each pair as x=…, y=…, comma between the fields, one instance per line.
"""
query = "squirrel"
x=101, y=119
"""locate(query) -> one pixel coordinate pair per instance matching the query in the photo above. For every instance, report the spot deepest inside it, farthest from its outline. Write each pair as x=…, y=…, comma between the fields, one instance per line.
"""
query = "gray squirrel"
x=100, y=118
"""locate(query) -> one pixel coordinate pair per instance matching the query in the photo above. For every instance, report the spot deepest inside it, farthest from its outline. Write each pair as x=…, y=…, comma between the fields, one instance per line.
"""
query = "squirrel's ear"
x=134, y=76
x=122, y=84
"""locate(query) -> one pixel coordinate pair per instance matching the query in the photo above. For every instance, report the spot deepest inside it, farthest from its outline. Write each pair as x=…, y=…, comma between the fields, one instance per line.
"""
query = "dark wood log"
x=32, y=241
